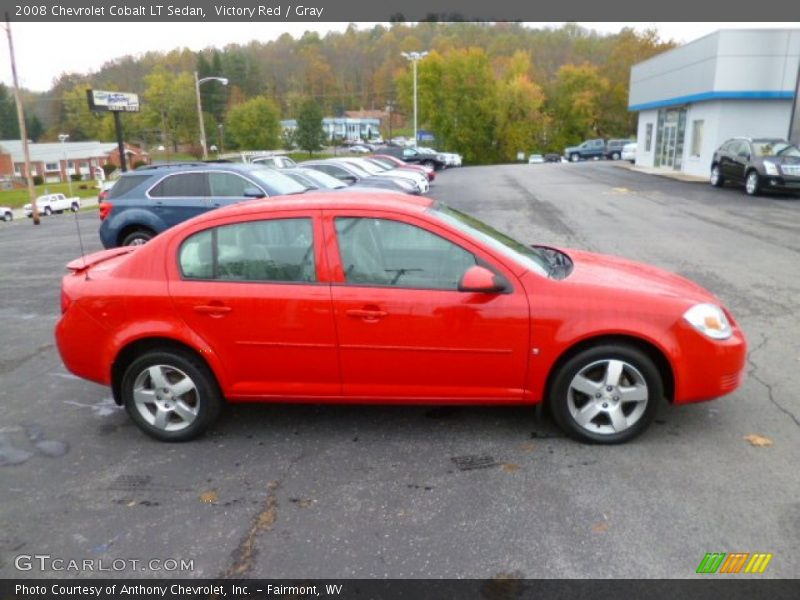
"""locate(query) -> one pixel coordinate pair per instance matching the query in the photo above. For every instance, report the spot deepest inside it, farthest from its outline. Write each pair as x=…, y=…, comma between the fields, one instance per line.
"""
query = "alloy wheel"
x=166, y=398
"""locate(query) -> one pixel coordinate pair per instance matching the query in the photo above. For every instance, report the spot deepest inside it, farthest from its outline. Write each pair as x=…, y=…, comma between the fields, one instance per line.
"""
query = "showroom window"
x=279, y=250
x=648, y=138
x=697, y=137
x=391, y=253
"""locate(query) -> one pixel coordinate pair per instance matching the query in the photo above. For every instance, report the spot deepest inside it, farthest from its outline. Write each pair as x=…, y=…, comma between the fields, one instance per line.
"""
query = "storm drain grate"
x=130, y=483
x=474, y=461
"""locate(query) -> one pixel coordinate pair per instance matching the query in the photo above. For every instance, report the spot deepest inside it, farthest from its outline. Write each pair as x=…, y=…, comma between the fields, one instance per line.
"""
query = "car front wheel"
x=752, y=184
x=170, y=395
x=8, y=217
x=607, y=394
x=48, y=211
x=615, y=156
x=574, y=157
x=716, y=176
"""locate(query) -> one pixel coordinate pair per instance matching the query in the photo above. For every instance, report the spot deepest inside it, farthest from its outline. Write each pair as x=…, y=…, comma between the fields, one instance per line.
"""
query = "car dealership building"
x=690, y=99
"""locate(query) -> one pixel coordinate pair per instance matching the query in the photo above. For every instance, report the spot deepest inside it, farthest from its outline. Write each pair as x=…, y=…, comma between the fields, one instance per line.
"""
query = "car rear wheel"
x=170, y=395
x=716, y=176
x=574, y=157
x=607, y=394
x=752, y=184
x=615, y=156
x=137, y=237
x=74, y=207
x=8, y=217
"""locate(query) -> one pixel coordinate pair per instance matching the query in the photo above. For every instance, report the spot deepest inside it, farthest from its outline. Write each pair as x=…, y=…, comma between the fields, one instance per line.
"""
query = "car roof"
x=193, y=165
x=321, y=200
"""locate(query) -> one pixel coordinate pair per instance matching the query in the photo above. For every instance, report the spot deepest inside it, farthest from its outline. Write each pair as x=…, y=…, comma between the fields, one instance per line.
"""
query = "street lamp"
x=63, y=137
x=415, y=57
x=197, y=82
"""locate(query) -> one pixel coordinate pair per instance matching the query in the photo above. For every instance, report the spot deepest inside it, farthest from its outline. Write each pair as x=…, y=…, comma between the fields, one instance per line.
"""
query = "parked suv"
x=145, y=202
x=414, y=157
x=588, y=149
x=760, y=164
x=614, y=148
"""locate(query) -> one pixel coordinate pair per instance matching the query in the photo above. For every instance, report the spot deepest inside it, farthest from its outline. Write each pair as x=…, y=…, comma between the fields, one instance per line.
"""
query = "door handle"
x=366, y=314
x=212, y=310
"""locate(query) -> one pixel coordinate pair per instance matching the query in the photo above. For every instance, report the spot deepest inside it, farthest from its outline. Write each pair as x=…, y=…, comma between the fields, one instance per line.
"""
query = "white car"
x=275, y=162
x=629, y=152
x=535, y=159
x=6, y=214
x=53, y=203
x=420, y=180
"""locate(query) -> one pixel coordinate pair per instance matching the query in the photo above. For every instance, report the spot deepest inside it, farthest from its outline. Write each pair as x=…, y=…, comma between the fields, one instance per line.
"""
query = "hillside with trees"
x=485, y=90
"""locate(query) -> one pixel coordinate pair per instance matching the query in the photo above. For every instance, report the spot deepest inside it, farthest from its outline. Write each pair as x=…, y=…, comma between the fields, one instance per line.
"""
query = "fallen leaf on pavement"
x=209, y=497
x=758, y=440
x=510, y=467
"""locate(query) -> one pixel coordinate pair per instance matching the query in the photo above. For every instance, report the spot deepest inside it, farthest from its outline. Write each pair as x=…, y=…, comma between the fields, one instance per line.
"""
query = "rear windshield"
x=126, y=184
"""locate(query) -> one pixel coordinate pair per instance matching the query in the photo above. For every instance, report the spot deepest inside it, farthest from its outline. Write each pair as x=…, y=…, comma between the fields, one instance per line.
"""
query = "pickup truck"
x=53, y=203
x=588, y=149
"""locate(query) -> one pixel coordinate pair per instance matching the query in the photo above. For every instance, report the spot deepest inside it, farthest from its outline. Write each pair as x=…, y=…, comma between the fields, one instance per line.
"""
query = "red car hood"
x=605, y=271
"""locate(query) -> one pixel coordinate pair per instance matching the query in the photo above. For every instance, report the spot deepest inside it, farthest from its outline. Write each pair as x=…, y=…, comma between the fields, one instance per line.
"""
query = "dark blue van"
x=145, y=202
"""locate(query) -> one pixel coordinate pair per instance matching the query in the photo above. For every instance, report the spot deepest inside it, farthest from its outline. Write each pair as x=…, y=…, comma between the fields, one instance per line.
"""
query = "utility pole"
x=23, y=130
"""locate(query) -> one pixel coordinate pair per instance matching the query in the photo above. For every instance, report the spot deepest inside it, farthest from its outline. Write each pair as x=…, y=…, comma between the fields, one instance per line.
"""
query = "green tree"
x=9, y=126
x=34, y=127
x=254, y=125
x=457, y=99
x=169, y=104
x=309, y=135
x=521, y=122
x=577, y=103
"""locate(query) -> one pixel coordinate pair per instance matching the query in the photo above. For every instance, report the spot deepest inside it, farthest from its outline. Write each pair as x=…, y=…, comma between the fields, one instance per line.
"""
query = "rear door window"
x=181, y=185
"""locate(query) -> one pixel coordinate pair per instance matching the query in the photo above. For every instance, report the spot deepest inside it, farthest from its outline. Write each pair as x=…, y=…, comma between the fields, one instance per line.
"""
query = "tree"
x=170, y=105
x=35, y=128
x=577, y=103
x=309, y=135
x=9, y=126
x=521, y=122
x=254, y=125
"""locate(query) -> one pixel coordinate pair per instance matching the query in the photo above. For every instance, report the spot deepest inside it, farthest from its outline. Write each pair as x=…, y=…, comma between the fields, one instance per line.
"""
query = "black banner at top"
x=383, y=10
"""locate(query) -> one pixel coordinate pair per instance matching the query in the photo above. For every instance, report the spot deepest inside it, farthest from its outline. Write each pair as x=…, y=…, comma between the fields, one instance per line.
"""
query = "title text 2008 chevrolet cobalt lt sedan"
x=387, y=299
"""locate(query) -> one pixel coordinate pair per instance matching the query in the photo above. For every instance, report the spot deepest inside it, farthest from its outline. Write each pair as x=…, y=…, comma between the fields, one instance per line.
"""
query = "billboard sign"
x=105, y=101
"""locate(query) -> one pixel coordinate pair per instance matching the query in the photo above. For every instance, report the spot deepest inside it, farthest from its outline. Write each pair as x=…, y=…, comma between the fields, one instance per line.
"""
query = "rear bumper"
x=706, y=369
x=84, y=359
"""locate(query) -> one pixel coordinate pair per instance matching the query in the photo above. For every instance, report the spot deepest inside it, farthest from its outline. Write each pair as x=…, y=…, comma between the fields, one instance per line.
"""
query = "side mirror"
x=254, y=192
x=481, y=280
x=348, y=179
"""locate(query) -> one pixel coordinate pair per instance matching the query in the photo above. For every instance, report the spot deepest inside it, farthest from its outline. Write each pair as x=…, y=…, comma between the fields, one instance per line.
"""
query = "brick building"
x=55, y=162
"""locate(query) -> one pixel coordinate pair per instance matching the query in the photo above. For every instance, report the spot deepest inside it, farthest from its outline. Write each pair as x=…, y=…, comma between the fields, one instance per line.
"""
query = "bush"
x=139, y=163
x=38, y=180
x=109, y=168
x=83, y=186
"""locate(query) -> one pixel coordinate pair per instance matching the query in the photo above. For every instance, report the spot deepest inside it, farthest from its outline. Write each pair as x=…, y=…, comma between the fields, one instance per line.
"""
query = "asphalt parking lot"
x=315, y=492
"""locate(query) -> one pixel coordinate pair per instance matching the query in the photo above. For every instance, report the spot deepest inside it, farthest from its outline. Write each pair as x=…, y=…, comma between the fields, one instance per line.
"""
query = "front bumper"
x=781, y=183
x=706, y=369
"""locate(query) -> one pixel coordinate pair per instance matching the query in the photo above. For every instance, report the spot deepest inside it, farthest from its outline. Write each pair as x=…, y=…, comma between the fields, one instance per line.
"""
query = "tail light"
x=104, y=208
x=65, y=301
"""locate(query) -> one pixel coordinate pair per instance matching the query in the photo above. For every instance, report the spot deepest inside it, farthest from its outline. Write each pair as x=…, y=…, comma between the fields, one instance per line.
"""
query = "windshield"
x=383, y=165
x=356, y=169
x=322, y=180
x=367, y=166
x=775, y=149
x=509, y=247
x=276, y=183
x=301, y=179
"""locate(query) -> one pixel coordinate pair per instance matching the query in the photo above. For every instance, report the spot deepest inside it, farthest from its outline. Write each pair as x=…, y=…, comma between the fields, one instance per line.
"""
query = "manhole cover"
x=474, y=461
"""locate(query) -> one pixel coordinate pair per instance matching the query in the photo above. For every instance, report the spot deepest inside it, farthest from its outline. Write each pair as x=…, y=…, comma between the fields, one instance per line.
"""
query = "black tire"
x=562, y=399
x=48, y=211
x=716, y=179
x=137, y=237
x=615, y=156
x=574, y=157
x=752, y=183
x=7, y=217
x=74, y=207
x=205, y=399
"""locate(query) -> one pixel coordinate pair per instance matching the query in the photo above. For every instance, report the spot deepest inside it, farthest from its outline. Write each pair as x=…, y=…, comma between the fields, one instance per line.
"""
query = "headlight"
x=770, y=168
x=709, y=320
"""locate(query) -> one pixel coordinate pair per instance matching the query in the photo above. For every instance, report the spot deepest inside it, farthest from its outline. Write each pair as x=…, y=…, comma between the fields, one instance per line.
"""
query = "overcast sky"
x=45, y=50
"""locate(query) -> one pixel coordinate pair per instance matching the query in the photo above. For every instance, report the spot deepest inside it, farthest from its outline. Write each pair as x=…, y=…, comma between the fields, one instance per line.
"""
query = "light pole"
x=63, y=137
x=221, y=139
x=415, y=57
x=197, y=82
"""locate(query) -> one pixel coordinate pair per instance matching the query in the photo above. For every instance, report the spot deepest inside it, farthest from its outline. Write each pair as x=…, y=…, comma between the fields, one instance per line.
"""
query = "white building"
x=344, y=128
x=730, y=83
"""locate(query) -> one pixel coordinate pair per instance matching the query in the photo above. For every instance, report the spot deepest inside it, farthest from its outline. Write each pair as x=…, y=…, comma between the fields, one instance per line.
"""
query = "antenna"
x=80, y=242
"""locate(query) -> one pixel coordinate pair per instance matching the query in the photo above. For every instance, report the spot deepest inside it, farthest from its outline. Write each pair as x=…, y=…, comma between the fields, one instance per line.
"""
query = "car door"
x=225, y=188
x=734, y=168
x=180, y=196
x=257, y=292
x=405, y=330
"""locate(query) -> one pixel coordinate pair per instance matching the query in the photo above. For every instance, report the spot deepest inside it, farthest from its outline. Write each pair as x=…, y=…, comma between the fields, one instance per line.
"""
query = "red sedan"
x=359, y=299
